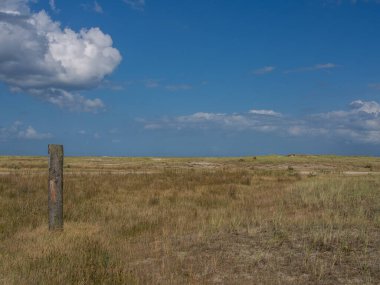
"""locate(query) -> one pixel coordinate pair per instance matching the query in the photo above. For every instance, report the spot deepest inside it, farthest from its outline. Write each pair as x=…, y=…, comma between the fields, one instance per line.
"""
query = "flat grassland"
x=248, y=220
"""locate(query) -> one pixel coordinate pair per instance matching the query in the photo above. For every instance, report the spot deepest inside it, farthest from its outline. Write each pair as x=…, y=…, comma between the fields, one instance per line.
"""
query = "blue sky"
x=190, y=78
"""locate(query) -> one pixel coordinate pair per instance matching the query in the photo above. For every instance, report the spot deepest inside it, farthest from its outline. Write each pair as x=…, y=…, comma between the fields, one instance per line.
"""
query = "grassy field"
x=249, y=220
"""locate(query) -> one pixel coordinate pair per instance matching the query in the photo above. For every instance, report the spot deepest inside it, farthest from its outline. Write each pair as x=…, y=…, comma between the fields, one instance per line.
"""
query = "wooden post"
x=55, y=195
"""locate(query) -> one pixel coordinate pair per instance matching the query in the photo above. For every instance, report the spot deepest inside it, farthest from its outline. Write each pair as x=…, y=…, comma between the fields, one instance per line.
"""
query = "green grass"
x=193, y=221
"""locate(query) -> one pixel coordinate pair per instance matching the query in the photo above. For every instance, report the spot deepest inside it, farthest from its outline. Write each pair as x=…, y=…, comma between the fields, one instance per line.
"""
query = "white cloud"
x=17, y=130
x=31, y=134
x=295, y=130
x=371, y=107
x=53, y=6
x=264, y=70
x=97, y=7
x=136, y=4
x=14, y=7
x=38, y=57
x=68, y=100
x=359, y=109
x=204, y=120
x=360, y=123
x=201, y=117
x=323, y=66
x=265, y=113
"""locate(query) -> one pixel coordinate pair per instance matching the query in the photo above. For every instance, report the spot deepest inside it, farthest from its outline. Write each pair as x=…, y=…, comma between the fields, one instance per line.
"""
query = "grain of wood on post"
x=55, y=187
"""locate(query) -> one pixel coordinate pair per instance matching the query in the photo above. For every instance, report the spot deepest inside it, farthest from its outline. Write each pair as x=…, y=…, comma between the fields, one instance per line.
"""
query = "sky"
x=190, y=78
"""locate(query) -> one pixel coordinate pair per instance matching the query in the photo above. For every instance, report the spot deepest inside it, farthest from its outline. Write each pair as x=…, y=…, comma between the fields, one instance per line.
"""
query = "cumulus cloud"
x=372, y=107
x=18, y=130
x=40, y=58
x=358, y=109
x=359, y=123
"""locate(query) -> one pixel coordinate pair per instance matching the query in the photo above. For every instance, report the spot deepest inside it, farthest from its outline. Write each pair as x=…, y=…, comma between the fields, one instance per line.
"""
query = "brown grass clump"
x=193, y=221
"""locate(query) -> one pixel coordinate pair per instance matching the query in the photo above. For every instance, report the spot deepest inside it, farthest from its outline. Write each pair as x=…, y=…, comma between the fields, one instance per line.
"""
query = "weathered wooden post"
x=55, y=195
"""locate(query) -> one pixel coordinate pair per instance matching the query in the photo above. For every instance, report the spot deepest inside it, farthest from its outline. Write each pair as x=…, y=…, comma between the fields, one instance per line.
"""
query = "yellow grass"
x=264, y=220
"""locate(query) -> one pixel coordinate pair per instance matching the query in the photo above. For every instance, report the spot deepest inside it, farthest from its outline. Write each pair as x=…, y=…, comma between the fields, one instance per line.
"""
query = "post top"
x=55, y=148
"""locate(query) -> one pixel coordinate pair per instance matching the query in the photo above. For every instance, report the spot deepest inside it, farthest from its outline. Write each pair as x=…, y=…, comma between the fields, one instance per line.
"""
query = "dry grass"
x=193, y=221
